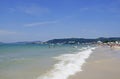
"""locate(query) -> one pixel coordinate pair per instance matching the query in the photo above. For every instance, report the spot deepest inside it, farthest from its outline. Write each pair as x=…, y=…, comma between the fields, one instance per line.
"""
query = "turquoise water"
x=29, y=61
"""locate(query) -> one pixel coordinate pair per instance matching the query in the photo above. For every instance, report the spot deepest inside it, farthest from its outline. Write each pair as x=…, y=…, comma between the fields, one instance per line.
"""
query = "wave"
x=69, y=64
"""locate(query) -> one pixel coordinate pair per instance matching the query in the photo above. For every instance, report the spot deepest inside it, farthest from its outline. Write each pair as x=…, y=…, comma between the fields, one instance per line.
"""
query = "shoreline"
x=97, y=64
x=68, y=64
x=102, y=64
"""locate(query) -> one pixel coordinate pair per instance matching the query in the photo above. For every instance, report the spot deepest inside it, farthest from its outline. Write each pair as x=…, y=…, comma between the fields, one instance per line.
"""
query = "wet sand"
x=104, y=63
x=27, y=71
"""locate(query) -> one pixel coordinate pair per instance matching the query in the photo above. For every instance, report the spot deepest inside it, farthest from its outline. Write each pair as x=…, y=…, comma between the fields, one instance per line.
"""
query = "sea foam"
x=69, y=64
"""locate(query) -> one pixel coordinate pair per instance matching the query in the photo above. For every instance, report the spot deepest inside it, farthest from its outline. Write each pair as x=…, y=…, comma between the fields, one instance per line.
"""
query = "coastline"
x=68, y=64
x=102, y=64
x=83, y=63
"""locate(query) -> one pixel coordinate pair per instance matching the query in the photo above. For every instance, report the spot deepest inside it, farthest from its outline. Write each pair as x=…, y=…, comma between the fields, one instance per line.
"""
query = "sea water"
x=41, y=61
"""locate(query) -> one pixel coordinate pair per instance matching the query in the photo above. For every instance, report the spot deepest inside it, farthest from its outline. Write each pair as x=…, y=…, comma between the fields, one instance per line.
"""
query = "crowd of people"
x=115, y=44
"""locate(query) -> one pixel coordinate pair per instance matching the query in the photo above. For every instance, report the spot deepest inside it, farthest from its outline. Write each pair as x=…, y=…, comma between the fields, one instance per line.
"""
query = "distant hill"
x=82, y=40
x=29, y=42
x=70, y=41
x=112, y=39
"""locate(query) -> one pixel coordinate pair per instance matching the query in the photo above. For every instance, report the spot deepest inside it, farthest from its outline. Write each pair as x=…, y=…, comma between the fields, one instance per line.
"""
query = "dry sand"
x=104, y=63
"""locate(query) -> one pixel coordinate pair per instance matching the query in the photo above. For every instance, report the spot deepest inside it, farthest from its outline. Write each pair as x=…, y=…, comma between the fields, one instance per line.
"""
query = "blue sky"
x=33, y=20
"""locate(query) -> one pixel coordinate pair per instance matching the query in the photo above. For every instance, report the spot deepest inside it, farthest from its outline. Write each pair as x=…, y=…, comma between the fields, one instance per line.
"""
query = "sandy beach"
x=103, y=64
x=48, y=63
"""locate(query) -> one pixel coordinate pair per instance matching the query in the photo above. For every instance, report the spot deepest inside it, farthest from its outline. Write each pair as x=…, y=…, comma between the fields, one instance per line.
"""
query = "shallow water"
x=31, y=61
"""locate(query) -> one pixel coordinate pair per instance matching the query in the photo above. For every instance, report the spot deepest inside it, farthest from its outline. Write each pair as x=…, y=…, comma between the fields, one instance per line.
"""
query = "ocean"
x=41, y=61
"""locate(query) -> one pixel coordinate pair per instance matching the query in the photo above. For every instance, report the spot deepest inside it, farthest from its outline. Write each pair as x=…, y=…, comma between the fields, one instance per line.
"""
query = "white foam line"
x=69, y=64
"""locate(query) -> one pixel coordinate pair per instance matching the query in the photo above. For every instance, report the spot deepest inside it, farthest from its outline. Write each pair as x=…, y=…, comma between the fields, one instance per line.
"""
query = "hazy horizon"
x=42, y=20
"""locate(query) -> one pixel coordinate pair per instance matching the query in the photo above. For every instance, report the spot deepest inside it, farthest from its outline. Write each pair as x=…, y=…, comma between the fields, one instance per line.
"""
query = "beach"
x=59, y=62
x=102, y=64
x=31, y=61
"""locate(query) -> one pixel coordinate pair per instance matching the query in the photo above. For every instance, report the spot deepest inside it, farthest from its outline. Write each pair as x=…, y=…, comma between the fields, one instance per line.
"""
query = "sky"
x=41, y=20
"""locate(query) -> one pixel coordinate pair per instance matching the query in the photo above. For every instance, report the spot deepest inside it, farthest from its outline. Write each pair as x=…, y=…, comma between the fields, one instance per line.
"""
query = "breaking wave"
x=69, y=64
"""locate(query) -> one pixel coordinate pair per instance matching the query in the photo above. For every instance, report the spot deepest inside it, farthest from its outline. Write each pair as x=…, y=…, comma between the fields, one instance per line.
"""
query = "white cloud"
x=6, y=32
x=39, y=23
x=31, y=10
x=34, y=10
